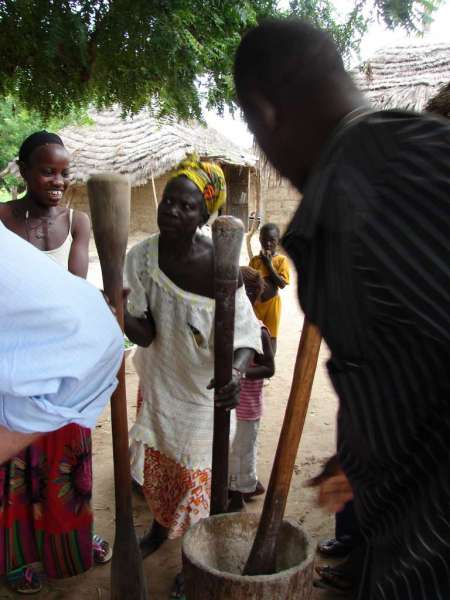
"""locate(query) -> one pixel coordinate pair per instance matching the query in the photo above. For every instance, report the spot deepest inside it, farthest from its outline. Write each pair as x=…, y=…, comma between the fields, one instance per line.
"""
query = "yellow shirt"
x=279, y=262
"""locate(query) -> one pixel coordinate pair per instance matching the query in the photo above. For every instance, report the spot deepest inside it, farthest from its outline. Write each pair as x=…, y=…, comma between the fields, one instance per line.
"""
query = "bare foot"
x=153, y=539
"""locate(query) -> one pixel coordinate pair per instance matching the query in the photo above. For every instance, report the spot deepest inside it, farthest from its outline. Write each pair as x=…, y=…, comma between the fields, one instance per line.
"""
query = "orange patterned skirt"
x=177, y=496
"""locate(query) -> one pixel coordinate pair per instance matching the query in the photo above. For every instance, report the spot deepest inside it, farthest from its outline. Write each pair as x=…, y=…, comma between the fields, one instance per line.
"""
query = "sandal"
x=334, y=578
x=259, y=491
x=24, y=580
x=101, y=549
x=178, y=588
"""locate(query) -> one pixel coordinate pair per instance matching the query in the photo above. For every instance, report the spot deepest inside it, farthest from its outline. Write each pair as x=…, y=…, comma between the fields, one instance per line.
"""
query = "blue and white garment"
x=60, y=345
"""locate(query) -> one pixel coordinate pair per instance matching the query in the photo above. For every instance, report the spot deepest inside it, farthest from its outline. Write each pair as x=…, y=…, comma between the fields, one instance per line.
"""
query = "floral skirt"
x=45, y=505
x=177, y=496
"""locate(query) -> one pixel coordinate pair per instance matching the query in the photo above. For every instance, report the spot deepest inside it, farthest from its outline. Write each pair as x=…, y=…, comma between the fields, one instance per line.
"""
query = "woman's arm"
x=79, y=250
x=248, y=238
x=266, y=363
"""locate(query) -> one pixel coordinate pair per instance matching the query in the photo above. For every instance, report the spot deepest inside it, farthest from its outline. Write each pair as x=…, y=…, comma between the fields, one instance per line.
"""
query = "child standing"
x=274, y=268
x=243, y=479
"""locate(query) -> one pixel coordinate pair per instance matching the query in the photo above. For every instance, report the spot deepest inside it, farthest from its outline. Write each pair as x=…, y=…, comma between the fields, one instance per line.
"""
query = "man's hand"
x=228, y=395
x=334, y=487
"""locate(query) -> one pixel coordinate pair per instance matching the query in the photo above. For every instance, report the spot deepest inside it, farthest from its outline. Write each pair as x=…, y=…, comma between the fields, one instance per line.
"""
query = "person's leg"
x=237, y=452
x=244, y=480
x=153, y=539
x=346, y=534
x=346, y=523
x=251, y=457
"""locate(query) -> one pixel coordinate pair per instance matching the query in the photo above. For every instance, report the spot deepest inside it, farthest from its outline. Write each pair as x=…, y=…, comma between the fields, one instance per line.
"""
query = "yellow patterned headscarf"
x=209, y=179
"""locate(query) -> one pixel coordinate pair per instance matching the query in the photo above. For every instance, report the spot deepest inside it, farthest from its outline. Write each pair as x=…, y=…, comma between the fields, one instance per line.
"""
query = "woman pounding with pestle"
x=171, y=317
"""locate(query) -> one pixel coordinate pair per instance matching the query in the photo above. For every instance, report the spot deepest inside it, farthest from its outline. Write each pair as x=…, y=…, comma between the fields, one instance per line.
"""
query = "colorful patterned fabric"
x=45, y=505
x=209, y=179
x=177, y=496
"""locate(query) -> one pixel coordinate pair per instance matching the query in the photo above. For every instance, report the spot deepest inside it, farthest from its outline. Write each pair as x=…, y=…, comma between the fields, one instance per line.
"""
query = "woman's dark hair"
x=36, y=140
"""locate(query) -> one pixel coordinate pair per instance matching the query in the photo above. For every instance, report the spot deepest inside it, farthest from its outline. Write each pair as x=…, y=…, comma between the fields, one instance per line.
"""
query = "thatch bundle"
x=141, y=146
x=440, y=104
x=404, y=77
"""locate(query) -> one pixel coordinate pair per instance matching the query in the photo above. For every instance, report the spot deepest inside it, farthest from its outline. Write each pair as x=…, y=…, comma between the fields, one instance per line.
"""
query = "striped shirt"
x=250, y=400
x=371, y=244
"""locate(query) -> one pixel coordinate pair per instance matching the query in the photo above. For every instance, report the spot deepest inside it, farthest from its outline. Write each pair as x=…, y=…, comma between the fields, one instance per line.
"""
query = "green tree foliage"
x=16, y=123
x=412, y=15
x=58, y=55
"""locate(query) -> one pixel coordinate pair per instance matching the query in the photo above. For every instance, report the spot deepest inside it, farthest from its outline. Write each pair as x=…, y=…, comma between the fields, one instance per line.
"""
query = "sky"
x=377, y=37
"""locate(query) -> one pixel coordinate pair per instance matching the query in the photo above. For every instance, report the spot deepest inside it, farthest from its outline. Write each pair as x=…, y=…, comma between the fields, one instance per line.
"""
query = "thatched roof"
x=404, y=76
x=440, y=104
x=141, y=146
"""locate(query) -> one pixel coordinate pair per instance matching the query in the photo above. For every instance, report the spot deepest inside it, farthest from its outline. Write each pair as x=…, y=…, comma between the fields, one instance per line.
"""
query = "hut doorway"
x=237, y=193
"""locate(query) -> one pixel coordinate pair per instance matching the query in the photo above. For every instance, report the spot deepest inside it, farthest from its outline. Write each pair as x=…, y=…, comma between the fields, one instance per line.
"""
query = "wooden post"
x=155, y=197
x=109, y=199
x=262, y=556
x=227, y=239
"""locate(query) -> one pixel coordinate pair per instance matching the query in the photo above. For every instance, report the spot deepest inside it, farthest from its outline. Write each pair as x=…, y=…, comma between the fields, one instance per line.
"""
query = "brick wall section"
x=279, y=200
x=143, y=213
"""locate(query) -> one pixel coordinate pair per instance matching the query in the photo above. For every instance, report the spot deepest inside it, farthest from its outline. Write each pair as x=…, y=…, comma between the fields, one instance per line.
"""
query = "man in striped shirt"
x=370, y=243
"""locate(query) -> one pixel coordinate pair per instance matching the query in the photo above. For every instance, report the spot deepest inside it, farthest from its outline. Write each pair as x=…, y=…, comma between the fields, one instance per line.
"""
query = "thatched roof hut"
x=147, y=150
x=405, y=76
x=440, y=104
x=142, y=147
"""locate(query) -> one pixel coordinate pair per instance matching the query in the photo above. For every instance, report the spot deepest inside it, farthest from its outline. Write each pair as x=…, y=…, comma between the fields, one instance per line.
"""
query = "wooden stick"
x=109, y=199
x=155, y=197
x=227, y=233
x=262, y=559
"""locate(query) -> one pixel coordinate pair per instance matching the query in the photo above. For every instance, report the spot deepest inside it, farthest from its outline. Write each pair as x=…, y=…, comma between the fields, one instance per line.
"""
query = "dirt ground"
x=318, y=442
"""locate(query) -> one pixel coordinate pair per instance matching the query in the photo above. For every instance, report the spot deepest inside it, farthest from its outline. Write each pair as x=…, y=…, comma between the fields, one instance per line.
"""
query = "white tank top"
x=61, y=254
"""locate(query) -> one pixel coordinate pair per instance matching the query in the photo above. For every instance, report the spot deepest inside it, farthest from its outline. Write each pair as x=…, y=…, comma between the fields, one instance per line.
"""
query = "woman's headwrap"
x=209, y=179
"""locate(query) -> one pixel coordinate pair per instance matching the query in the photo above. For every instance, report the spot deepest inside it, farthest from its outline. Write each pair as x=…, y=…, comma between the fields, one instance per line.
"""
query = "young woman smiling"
x=45, y=491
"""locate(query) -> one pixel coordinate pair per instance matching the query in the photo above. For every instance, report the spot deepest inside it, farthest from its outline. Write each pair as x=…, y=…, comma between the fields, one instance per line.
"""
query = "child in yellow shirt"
x=274, y=268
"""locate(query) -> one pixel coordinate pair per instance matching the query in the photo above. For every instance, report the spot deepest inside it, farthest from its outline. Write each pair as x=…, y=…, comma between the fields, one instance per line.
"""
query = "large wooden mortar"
x=215, y=551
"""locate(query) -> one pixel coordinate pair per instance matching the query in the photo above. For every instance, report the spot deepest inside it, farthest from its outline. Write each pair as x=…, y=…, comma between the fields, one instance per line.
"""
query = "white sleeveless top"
x=61, y=254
